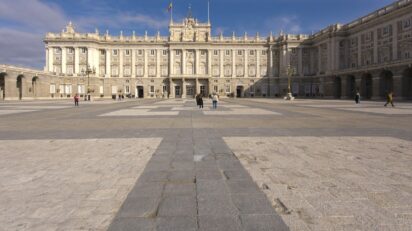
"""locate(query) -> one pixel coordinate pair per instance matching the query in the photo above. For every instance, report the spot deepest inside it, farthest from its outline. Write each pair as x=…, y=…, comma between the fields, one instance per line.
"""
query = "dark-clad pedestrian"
x=389, y=98
x=357, y=97
x=76, y=100
x=200, y=101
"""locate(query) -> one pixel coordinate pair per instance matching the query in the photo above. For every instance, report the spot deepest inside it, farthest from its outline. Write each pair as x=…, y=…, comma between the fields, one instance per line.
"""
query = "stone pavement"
x=252, y=164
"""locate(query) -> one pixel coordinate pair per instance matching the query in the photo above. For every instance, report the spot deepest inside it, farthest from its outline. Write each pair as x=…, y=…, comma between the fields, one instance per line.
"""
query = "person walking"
x=200, y=101
x=215, y=99
x=357, y=97
x=389, y=98
x=197, y=100
x=76, y=100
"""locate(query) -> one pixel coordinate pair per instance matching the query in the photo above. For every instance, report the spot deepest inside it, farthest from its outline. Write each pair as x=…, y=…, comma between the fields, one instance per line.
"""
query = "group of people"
x=214, y=97
x=389, y=98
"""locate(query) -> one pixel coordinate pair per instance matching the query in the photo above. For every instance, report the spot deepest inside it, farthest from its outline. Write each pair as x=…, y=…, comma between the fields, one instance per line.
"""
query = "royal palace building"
x=372, y=54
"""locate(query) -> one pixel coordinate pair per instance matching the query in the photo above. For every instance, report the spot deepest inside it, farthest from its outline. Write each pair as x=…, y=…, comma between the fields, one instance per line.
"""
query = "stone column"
x=121, y=54
x=50, y=59
x=172, y=88
x=77, y=70
x=197, y=71
x=146, y=65
x=395, y=41
x=197, y=86
x=46, y=66
x=300, y=66
x=209, y=63
x=183, y=62
x=171, y=62
x=64, y=71
x=108, y=64
x=233, y=63
x=359, y=51
x=270, y=73
x=375, y=46
x=183, y=88
x=319, y=59
x=133, y=63
x=246, y=70
x=258, y=52
x=158, y=63
x=221, y=72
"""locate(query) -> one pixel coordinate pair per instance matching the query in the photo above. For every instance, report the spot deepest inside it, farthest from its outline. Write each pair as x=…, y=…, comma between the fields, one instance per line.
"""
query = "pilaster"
x=197, y=71
x=209, y=63
x=375, y=46
x=171, y=62
x=221, y=72
x=158, y=62
x=108, y=64
x=145, y=75
x=359, y=51
x=133, y=63
x=300, y=62
x=395, y=40
x=271, y=61
x=50, y=58
x=246, y=70
x=64, y=60
x=183, y=62
x=76, y=61
x=258, y=53
x=233, y=63
x=121, y=55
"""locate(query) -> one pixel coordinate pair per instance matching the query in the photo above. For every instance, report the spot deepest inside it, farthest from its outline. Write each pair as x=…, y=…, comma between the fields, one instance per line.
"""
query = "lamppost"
x=290, y=73
x=88, y=71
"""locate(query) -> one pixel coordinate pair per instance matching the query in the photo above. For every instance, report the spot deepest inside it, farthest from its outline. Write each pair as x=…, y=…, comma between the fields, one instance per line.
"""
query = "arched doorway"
x=2, y=85
x=351, y=86
x=338, y=87
x=19, y=85
x=34, y=85
x=386, y=82
x=407, y=83
x=366, y=83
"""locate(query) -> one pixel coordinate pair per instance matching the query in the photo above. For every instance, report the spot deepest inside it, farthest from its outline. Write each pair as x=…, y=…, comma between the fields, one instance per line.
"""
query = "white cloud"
x=288, y=24
x=32, y=14
x=21, y=48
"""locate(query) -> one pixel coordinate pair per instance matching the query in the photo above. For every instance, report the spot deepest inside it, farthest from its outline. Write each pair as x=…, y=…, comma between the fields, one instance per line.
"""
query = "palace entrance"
x=2, y=86
x=239, y=90
x=178, y=92
x=140, y=92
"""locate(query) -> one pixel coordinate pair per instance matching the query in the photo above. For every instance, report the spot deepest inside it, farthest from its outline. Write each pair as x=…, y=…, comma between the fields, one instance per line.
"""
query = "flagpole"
x=171, y=14
x=208, y=11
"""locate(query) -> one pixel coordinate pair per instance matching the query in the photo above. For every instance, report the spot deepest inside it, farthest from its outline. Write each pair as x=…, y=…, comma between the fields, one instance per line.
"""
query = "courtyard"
x=251, y=164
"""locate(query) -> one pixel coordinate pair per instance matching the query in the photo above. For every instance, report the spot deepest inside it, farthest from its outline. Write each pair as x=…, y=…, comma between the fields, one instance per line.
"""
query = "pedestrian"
x=200, y=101
x=197, y=100
x=389, y=98
x=76, y=100
x=215, y=99
x=357, y=97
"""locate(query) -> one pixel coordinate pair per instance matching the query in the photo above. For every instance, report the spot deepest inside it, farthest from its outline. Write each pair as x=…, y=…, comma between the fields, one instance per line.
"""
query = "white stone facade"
x=372, y=54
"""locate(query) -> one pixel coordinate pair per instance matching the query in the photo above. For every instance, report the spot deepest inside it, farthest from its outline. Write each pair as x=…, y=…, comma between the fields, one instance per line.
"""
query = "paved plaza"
x=250, y=164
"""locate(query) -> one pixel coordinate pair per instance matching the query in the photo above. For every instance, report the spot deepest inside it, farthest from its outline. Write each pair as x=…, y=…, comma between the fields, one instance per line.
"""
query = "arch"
x=367, y=87
x=19, y=85
x=338, y=87
x=34, y=85
x=407, y=83
x=2, y=85
x=385, y=82
x=351, y=86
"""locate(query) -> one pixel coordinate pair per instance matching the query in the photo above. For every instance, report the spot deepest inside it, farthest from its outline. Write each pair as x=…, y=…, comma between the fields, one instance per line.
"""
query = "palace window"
x=178, y=52
x=127, y=52
x=140, y=52
x=102, y=52
x=152, y=52
x=83, y=50
x=406, y=23
x=115, y=52
x=127, y=71
x=202, y=53
x=52, y=88
x=152, y=89
x=216, y=89
x=227, y=52
x=227, y=88
x=165, y=52
x=385, y=30
x=127, y=89
x=251, y=52
x=215, y=52
x=368, y=36
x=70, y=50
x=264, y=52
x=57, y=50
x=239, y=52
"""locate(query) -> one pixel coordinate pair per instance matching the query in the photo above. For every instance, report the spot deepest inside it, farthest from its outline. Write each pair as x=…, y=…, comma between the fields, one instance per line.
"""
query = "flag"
x=170, y=7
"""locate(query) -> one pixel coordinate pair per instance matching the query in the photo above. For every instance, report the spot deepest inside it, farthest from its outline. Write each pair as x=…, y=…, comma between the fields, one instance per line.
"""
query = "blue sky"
x=23, y=23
